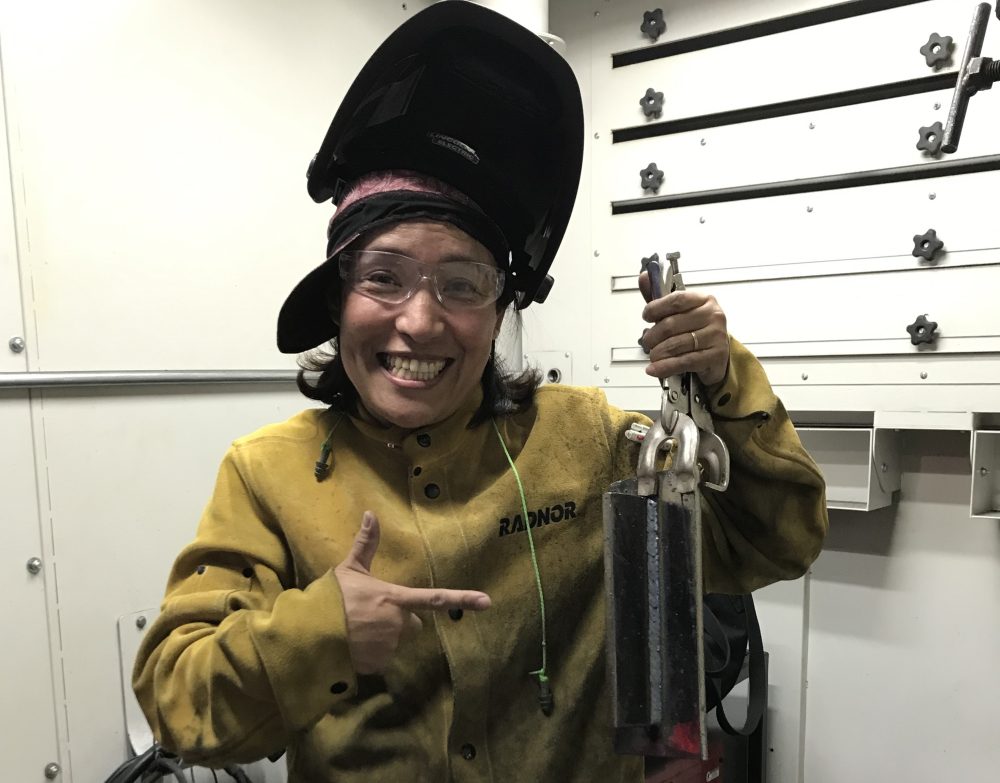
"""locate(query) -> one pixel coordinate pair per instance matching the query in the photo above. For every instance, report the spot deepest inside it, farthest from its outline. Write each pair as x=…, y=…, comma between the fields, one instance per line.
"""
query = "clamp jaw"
x=684, y=428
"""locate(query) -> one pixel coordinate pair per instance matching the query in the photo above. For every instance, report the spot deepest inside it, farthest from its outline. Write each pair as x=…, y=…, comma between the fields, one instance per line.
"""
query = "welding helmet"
x=464, y=94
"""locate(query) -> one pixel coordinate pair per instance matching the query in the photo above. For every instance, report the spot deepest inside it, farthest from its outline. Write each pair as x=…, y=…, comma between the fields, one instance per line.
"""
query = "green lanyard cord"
x=545, y=696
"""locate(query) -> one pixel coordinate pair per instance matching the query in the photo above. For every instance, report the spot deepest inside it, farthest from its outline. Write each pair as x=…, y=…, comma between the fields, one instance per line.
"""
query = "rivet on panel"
x=701, y=220
x=984, y=471
x=812, y=126
x=52, y=770
x=34, y=565
x=140, y=621
x=597, y=367
x=703, y=142
x=923, y=376
x=597, y=254
x=607, y=380
x=597, y=135
x=16, y=344
x=805, y=376
x=937, y=106
x=809, y=209
x=932, y=196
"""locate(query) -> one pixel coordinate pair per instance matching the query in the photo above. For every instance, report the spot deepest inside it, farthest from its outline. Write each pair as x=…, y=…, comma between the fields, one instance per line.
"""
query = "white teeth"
x=413, y=369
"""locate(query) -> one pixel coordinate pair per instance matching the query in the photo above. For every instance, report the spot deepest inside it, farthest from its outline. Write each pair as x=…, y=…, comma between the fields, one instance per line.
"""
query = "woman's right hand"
x=380, y=613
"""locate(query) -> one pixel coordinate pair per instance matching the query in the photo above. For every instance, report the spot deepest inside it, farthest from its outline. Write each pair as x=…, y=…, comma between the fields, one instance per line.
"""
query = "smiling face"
x=415, y=363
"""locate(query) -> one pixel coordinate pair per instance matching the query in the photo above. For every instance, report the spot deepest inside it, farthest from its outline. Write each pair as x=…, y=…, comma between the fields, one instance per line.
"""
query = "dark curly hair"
x=503, y=392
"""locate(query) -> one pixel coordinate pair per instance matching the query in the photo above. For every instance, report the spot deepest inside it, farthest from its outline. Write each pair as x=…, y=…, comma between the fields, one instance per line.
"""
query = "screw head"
x=16, y=344
x=809, y=209
x=597, y=135
x=937, y=106
x=703, y=142
x=923, y=376
x=932, y=196
x=34, y=565
x=597, y=254
x=984, y=471
x=812, y=126
x=701, y=220
x=607, y=380
x=52, y=770
x=140, y=621
x=805, y=376
x=597, y=367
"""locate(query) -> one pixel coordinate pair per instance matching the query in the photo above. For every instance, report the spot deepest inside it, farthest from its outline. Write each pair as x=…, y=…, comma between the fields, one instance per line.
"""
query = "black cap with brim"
x=463, y=94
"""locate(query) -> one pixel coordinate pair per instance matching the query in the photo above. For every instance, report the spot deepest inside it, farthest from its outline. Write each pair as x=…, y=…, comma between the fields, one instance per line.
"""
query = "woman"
x=362, y=587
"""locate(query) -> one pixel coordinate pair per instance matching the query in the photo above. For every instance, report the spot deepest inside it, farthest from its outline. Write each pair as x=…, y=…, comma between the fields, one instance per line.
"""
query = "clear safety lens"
x=392, y=278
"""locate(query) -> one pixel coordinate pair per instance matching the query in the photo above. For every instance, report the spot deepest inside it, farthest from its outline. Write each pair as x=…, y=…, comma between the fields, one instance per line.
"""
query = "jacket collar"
x=444, y=435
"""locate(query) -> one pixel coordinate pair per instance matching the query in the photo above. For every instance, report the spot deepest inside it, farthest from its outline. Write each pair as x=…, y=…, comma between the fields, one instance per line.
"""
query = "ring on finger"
x=694, y=341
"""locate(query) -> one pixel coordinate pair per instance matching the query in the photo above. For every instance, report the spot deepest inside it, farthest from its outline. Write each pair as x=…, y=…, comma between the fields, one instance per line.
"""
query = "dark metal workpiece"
x=650, y=582
x=922, y=331
x=931, y=137
x=938, y=49
x=652, y=177
x=652, y=103
x=927, y=245
x=653, y=25
x=966, y=86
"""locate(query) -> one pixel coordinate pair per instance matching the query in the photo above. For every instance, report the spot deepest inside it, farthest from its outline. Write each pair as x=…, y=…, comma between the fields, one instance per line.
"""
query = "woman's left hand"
x=688, y=335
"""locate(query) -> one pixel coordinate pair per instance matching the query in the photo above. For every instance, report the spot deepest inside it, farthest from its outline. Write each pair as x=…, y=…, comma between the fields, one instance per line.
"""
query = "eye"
x=468, y=282
x=379, y=277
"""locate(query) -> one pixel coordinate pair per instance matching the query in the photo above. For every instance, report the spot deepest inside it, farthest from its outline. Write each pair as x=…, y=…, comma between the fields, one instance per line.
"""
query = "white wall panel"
x=805, y=234
x=28, y=706
x=864, y=137
x=160, y=151
x=129, y=473
x=903, y=610
x=872, y=49
x=620, y=20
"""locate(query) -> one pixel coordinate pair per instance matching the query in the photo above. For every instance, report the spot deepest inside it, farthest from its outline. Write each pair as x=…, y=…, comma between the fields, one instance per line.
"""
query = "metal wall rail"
x=49, y=380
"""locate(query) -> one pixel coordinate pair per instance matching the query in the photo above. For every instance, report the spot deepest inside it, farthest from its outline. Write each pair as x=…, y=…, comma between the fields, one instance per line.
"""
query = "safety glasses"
x=393, y=278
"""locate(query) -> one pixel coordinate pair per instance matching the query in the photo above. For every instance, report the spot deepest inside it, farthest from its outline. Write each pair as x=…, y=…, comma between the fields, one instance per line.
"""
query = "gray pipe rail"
x=64, y=380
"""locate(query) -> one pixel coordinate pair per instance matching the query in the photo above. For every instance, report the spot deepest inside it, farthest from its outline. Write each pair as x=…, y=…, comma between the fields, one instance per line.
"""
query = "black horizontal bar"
x=781, y=24
x=880, y=92
x=856, y=179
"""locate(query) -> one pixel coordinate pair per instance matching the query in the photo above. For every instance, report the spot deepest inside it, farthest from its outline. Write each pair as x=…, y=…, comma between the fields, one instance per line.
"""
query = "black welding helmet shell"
x=464, y=94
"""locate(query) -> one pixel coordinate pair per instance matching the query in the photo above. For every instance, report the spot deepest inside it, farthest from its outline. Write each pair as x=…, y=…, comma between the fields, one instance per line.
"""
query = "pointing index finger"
x=438, y=599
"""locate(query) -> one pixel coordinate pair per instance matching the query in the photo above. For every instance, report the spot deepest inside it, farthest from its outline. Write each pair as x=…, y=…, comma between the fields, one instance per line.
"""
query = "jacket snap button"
x=725, y=398
x=432, y=491
x=468, y=752
x=424, y=439
x=455, y=614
